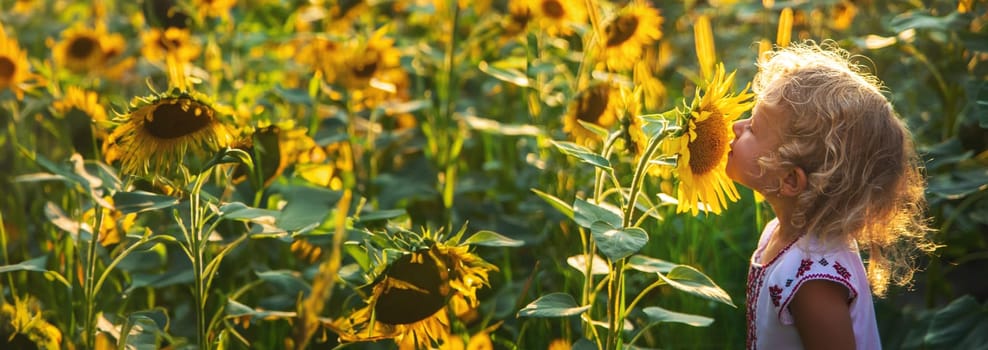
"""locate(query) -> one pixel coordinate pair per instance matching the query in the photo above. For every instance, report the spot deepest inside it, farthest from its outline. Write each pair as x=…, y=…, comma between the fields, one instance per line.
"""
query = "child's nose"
x=739, y=126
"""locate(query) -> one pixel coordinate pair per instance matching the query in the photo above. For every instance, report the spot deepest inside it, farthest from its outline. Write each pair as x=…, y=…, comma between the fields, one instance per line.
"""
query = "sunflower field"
x=448, y=174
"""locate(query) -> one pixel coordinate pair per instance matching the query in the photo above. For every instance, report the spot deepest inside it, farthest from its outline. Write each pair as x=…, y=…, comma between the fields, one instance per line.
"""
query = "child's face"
x=756, y=137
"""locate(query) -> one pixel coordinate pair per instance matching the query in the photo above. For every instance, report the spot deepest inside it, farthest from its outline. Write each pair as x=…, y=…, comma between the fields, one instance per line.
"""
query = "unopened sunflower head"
x=164, y=130
x=413, y=297
x=705, y=142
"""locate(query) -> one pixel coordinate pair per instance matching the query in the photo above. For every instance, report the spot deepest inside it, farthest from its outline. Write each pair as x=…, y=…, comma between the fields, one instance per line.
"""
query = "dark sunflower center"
x=404, y=306
x=553, y=9
x=593, y=104
x=521, y=17
x=82, y=47
x=7, y=68
x=710, y=145
x=622, y=29
x=366, y=67
x=169, y=44
x=171, y=119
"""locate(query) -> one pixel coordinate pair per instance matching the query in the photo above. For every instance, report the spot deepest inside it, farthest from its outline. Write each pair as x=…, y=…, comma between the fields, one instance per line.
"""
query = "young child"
x=826, y=150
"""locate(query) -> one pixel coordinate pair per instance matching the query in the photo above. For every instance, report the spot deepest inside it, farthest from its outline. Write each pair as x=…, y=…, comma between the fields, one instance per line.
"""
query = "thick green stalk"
x=89, y=289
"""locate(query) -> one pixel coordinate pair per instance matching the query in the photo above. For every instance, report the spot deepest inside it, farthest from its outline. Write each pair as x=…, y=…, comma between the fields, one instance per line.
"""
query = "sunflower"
x=14, y=69
x=114, y=225
x=557, y=17
x=322, y=54
x=703, y=146
x=366, y=61
x=519, y=14
x=633, y=27
x=82, y=110
x=22, y=327
x=77, y=99
x=158, y=43
x=80, y=49
x=215, y=8
x=411, y=299
x=843, y=14
x=596, y=105
x=24, y=7
x=159, y=130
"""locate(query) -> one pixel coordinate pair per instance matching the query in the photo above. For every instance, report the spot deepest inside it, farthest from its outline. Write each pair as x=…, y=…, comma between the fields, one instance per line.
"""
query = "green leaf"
x=918, y=19
x=495, y=127
x=508, y=75
x=553, y=305
x=359, y=254
x=241, y=212
x=692, y=281
x=618, y=243
x=307, y=206
x=579, y=263
x=955, y=322
x=657, y=314
x=379, y=215
x=583, y=154
x=491, y=239
x=236, y=309
x=555, y=202
x=141, y=201
x=285, y=281
x=586, y=213
x=36, y=264
x=959, y=184
x=650, y=265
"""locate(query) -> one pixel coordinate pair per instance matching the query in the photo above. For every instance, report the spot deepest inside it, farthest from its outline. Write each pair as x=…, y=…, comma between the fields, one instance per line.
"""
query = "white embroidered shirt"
x=771, y=287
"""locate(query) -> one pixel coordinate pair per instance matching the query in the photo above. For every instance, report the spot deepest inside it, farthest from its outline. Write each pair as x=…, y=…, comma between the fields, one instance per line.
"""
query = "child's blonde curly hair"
x=864, y=178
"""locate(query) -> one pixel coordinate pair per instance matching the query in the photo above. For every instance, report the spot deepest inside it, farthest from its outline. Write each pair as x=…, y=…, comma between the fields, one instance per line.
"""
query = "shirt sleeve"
x=801, y=268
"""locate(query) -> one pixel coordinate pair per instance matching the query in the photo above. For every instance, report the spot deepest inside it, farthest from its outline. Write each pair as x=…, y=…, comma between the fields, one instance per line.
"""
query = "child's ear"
x=794, y=182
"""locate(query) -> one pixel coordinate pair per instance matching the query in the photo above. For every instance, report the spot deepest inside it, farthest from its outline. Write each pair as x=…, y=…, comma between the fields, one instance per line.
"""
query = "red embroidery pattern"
x=756, y=276
x=776, y=293
x=813, y=276
x=803, y=267
x=841, y=270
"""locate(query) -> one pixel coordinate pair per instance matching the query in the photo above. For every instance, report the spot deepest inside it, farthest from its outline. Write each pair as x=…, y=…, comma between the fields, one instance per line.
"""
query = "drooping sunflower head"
x=366, y=62
x=159, y=132
x=557, y=17
x=518, y=16
x=705, y=142
x=597, y=105
x=413, y=297
x=178, y=42
x=14, y=69
x=22, y=327
x=633, y=27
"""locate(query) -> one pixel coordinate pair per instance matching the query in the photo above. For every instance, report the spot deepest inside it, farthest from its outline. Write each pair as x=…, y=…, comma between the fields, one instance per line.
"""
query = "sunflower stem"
x=89, y=335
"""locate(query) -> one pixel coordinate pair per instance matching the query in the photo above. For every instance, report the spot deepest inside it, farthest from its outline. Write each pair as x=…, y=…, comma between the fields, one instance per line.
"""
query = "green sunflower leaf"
x=650, y=265
x=555, y=202
x=553, y=305
x=692, y=281
x=618, y=243
x=657, y=314
x=141, y=201
x=492, y=239
x=583, y=154
x=586, y=214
